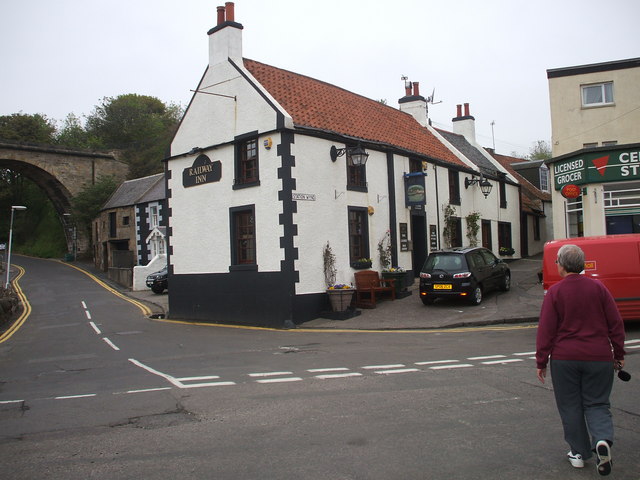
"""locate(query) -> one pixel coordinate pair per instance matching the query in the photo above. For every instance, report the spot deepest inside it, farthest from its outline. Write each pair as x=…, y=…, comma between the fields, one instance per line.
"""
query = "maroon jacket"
x=579, y=320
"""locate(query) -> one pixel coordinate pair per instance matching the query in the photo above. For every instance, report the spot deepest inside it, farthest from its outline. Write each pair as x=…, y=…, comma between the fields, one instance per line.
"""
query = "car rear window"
x=449, y=262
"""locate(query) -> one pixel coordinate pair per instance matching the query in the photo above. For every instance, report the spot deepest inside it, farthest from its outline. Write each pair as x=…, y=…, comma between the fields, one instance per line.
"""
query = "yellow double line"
x=25, y=312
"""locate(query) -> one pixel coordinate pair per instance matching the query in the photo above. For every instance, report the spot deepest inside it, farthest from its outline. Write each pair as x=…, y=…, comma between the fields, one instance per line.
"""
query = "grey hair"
x=571, y=258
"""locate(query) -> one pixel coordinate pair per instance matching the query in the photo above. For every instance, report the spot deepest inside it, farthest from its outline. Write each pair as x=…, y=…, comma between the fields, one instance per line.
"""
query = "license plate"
x=442, y=286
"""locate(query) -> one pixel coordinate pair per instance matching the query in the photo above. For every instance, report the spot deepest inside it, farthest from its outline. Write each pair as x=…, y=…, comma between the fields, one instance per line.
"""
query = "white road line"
x=210, y=384
x=376, y=367
x=86, y=312
x=321, y=370
x=398, y=370
x=193, y=379
x=110, y=343
x=84, y=305
x=506, y=360
x=435, y=362
x=456, y=365
x=280, y=380
x=67, y=397
x=269, y=374
x=148, y=390
x=631, y=341
x=338, y=375
x=5, y=402
x=632, y=346
x=95, y=328
x=486, y=357
x=169, y=378
x=524, y=354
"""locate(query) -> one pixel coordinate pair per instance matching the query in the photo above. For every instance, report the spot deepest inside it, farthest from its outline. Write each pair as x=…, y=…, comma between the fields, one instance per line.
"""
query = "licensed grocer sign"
x=597, y=167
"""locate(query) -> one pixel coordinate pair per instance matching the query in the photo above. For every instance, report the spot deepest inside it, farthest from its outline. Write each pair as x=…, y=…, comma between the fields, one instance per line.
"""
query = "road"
x=92, y=388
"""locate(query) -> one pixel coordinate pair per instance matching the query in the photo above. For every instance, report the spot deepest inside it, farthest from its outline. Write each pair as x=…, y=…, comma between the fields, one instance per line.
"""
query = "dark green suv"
x=465, y=273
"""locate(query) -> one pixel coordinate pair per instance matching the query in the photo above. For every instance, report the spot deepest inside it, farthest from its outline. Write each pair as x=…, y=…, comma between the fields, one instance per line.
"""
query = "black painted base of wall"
x=242, y=298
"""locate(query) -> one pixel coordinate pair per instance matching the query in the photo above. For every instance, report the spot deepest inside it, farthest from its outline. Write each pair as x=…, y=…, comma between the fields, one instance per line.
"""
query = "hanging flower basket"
x=361, y=264
x=506, y=251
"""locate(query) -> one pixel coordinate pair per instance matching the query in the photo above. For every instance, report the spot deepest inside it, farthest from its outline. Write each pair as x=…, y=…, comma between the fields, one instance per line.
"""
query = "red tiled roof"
x=531, y=196
x=319, y=105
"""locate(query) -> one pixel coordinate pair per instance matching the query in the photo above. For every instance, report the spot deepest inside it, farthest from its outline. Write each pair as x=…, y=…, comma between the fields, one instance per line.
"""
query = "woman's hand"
x=542, y=373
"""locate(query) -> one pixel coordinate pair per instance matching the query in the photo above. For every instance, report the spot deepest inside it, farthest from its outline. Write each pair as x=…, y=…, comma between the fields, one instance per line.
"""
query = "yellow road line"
x=26, y=311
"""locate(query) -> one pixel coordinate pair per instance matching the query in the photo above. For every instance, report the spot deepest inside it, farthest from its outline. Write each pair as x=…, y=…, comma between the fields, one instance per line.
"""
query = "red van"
x=612, y=259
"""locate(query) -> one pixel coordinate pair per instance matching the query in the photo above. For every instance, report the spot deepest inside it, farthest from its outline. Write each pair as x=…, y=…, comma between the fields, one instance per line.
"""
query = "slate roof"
x=321, y=106
x=469, y=151
x=134, y=191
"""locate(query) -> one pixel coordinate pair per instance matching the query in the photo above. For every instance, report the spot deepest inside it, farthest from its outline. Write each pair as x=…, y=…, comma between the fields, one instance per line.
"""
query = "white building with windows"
x=595, y=169
x=265, y=170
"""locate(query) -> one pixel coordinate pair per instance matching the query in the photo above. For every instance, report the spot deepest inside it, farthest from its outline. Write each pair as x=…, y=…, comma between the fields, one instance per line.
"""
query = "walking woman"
x=581, y=331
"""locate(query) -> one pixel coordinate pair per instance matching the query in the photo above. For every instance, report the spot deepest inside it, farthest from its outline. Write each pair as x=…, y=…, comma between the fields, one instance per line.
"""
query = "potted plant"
x=506, y=251
x=340, y=294
x=361, y=264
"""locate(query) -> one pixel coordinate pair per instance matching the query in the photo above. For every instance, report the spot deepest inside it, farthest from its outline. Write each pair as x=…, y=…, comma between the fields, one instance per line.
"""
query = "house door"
x=419, y=239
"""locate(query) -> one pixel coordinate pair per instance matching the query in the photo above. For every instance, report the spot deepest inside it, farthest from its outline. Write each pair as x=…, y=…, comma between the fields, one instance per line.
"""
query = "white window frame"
x=544, y=178
x=154, y=216
x=603, y=92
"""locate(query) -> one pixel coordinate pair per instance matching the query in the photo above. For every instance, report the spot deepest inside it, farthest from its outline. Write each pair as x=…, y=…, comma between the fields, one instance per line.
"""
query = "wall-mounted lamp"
x=356, y=156
x=485, y=185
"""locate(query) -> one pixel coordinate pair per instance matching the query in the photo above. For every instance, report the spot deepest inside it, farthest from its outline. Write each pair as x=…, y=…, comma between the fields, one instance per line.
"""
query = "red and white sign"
x=571, y=191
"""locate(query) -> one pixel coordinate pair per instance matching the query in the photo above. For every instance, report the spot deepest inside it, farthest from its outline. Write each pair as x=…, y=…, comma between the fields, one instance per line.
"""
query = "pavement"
x=519, y=305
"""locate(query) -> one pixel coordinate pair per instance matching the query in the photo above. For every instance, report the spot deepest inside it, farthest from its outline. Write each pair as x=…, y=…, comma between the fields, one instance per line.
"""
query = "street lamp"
x=13, y=209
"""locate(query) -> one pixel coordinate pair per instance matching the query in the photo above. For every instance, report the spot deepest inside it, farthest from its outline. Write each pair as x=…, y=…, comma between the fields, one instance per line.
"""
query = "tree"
x=86, y=205
x=73, y=135
x=139, y=125
x=20, y=127
x=541, y=150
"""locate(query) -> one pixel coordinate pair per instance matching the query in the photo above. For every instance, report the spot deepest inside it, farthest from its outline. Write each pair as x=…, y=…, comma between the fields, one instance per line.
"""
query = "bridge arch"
x=61, y=174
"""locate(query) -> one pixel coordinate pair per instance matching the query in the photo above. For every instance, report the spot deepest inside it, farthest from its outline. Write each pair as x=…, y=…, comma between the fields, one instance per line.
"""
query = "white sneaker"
x=575, y=459
x=603, y=453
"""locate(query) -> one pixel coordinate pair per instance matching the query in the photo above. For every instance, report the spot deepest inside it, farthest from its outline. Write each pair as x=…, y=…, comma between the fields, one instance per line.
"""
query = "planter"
x=360, y=265
x=340, y=298
x=400, y=281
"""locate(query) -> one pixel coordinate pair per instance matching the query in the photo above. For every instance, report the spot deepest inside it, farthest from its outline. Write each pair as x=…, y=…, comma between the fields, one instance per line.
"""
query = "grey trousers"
x=582, y=392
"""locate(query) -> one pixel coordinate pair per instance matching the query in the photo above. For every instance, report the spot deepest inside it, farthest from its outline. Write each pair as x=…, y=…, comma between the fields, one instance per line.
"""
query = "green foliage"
x=20, y=127
x=449, y=224
x=384, y=251
x=140, y=126
x=541, y=150
x=473, y=226
x=329, y=262
x=73, y=135
x=88, y=202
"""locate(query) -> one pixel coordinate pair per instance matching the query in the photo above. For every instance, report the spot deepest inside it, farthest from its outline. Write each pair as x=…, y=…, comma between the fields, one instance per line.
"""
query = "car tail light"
x=462, y=275
x=425, y=275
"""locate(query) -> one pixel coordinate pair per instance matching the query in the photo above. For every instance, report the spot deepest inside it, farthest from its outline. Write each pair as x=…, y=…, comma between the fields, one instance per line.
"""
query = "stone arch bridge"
x=61, y=174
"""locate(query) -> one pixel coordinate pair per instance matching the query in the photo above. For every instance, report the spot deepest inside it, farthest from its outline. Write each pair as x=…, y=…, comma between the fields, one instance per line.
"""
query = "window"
x=125, y=220
x=416, y=165
x=358, y=234
x=536, y=228
x=153, y=217
x=247, y=163
x=609, y=143
x=456, y=234
x=503, y=195
x=597, y=94
x=504, y=235
x=590, y=145
x=486, y=234
x=454, y=187
x=356, y=176
x=243, y=236
x=544, y=178
x=113, y=227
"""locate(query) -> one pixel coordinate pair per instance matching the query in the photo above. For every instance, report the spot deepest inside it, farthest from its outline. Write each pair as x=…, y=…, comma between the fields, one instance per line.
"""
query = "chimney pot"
x=230, y=9
x=466, y=110
x=407, y=89
x=458, y=110
x=220, y=15
x=416, y=89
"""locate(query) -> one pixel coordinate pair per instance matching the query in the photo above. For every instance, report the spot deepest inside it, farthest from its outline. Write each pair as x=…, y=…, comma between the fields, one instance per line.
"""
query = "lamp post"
x=13, y=209
x=74, y=235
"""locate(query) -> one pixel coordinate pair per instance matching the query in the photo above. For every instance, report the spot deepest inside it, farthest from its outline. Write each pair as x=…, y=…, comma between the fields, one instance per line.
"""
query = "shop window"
x=597, y=94
x=243, y=237
x=358, y=234
x=247, y=163
x=454, y=187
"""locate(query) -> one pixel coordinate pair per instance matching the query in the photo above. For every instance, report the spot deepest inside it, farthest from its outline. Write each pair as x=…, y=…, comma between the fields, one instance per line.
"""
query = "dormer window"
x=597, y=95
x=544, y=178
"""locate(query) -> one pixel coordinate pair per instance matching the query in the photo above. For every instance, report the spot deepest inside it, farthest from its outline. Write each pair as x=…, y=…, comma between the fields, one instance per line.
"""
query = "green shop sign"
x=597, y=167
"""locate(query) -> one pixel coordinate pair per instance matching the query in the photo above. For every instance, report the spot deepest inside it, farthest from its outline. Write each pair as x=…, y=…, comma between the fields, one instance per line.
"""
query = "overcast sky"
x=63, y=56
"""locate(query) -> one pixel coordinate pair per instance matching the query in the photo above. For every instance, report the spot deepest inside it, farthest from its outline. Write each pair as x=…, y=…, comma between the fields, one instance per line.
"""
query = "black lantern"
x=356, y=156
x=485, y=185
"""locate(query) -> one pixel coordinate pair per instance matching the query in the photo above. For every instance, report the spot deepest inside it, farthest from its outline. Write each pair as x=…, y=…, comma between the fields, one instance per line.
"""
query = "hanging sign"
x=202, y=171
x=415, y=192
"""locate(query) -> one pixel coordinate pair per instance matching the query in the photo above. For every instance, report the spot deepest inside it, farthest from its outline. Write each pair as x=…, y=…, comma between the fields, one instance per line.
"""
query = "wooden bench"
x=368, y=285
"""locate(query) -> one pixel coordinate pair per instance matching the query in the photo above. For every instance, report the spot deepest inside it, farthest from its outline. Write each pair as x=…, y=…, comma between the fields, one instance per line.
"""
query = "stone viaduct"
x=61, y=174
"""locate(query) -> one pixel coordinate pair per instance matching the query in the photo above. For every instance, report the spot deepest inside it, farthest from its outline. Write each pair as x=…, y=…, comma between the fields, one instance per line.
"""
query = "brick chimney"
x=414, y=104
x=225, y=39
x=465, y=125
